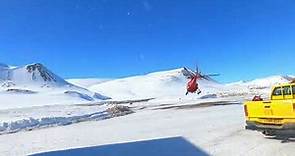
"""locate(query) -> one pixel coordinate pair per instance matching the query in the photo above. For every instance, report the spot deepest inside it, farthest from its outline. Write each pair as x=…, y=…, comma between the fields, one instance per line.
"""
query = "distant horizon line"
x=141, y=74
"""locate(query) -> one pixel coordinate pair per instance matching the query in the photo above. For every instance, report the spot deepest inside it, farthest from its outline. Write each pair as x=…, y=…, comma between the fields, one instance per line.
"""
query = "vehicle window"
x=287, y=90
x=293, y=89
x=277, y=91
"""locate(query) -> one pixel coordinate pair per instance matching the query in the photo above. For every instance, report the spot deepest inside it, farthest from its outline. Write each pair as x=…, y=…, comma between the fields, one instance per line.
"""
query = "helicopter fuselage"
x=192, y=85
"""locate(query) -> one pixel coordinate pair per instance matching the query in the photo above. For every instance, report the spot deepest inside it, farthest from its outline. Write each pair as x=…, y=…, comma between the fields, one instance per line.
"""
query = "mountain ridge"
x=35, y=85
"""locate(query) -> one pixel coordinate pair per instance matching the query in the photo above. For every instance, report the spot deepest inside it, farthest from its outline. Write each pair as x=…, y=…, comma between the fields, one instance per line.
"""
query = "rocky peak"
x=40, y=69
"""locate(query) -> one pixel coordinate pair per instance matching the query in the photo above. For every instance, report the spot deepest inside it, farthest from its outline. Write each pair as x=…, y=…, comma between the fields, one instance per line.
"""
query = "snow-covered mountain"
x=264, y=82
x=170, y=83
x=34, y=84
x=87, y=82
x=30, y=75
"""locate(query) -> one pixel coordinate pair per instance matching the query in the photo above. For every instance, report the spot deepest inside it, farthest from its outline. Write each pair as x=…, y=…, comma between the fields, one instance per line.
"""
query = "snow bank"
x=53, y=120
x=31, y=123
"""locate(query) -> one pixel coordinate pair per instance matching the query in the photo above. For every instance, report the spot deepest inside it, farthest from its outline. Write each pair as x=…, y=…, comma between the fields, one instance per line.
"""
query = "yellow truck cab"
x=274, y=115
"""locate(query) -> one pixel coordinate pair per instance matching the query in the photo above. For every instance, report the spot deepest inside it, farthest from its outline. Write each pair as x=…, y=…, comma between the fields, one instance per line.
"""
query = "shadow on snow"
x=176, y=146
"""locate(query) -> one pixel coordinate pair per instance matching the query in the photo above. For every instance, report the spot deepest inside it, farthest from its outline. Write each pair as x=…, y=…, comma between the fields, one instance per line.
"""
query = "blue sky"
x=113, y=38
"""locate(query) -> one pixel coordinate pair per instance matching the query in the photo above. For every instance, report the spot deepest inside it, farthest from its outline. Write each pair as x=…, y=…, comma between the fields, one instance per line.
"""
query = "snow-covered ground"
x=34, y=99
x=215, y=130
x=15, y=120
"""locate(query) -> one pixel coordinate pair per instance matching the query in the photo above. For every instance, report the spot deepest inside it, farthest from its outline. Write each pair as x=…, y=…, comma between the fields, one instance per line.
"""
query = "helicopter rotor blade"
x=206, y=77
x=188, y=73
x=209, y=78
x=212, y=75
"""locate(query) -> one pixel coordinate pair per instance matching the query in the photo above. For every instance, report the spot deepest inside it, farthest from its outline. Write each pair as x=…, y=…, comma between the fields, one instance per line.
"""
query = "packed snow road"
x=211, y=130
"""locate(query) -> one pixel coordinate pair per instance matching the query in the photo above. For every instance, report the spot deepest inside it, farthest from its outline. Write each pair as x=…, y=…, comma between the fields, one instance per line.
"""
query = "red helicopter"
x=194, y=76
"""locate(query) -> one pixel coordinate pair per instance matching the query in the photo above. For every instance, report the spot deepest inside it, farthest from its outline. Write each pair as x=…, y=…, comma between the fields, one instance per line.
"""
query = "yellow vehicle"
x=277, y=114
